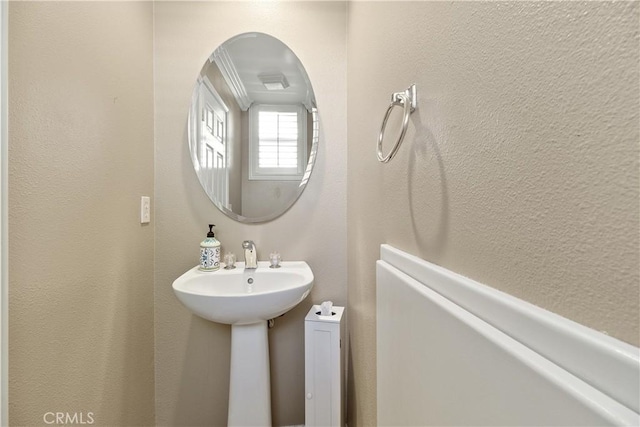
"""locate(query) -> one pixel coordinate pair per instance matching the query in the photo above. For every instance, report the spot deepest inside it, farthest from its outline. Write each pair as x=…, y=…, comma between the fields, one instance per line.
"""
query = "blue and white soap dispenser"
x=210, y=252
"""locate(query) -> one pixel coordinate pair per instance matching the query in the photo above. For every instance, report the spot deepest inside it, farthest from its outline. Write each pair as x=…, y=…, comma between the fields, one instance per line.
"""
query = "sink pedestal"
x=249, y=382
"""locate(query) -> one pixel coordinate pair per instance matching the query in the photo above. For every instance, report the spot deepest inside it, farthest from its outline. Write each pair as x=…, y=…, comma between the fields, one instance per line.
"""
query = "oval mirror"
x=253, y=127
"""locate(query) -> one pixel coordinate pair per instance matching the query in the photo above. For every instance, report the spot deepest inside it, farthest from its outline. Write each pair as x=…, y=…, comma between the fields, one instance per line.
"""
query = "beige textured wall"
x=520, y=167
x=81, y=265
x=192, y=354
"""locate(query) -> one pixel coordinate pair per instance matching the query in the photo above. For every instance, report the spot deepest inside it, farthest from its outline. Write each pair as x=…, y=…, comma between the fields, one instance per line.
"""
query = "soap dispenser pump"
x=210, y=252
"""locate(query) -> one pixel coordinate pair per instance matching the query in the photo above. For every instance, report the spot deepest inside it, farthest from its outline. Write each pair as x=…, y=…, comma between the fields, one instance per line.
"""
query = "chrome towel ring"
x=408, y=101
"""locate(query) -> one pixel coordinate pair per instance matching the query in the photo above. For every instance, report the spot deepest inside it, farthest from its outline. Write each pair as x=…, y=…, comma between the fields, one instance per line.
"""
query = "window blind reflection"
x=277, y=139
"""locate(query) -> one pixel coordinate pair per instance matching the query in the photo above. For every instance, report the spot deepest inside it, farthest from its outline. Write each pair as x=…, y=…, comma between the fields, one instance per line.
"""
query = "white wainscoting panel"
x=451, y=351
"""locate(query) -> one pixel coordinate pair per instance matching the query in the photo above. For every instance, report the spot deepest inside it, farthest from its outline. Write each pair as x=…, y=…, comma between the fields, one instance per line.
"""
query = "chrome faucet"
x=250, y=254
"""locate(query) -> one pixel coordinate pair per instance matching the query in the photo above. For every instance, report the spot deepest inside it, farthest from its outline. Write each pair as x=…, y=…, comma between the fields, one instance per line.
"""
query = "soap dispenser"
x=210, y=252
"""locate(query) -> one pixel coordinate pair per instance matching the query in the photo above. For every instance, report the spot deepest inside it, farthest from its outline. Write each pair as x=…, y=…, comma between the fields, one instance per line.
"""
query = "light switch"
x=145, y=210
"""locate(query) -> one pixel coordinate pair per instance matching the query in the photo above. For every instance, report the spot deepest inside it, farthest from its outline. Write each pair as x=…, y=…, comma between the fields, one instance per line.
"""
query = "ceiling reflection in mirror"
x=253, y=127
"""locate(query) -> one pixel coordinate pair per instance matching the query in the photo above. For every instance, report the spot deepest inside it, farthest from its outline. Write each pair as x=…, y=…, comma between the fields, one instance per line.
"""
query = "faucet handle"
x=275, y=258
x=248, y=244
x=230, y=261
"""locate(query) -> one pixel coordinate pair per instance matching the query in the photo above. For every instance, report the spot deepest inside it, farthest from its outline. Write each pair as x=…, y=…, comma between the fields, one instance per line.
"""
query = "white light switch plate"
x=145, y=210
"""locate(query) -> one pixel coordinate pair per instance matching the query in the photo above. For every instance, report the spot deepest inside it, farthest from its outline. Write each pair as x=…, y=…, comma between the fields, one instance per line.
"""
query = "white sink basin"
x=240, y=296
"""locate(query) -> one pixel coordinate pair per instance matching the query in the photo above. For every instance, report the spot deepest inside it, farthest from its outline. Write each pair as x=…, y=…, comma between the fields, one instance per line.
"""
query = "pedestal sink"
x=246, y=300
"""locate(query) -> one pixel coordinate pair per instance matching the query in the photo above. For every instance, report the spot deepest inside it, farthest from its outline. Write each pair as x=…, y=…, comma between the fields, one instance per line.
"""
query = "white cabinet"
x=324, y=370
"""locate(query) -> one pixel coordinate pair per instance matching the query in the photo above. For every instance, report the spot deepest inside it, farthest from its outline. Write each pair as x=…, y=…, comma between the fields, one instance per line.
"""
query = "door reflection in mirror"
x=211, y=147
